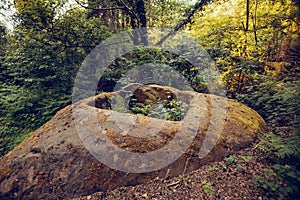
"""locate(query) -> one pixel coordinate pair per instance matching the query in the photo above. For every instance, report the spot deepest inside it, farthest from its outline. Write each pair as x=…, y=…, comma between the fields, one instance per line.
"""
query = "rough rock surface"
x=54, y=162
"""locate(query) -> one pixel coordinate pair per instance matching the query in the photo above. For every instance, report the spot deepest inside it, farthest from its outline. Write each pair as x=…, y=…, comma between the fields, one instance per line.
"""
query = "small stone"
x=145, y=195
x=89, y=197
x=35, y=150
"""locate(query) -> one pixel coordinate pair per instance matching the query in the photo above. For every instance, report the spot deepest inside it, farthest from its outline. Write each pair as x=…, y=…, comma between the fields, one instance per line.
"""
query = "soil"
x=218, y=180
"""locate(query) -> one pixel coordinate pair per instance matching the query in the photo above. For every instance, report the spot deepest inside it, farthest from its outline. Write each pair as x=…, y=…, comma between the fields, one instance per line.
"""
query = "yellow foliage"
x=221, y=24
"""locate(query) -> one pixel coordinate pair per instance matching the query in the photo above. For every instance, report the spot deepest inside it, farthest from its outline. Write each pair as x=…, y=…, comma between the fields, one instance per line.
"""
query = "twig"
x=174, y=183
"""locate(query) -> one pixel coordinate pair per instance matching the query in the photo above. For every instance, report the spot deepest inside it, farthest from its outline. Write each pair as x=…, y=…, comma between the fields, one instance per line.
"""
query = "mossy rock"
x=54, y=161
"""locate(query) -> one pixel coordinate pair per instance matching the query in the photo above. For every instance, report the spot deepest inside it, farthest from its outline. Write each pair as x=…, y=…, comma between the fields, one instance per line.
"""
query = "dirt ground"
x=231, y=178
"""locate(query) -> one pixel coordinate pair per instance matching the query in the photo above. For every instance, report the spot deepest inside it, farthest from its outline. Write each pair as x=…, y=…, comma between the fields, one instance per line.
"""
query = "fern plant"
x=281, y=147
x=276, y=100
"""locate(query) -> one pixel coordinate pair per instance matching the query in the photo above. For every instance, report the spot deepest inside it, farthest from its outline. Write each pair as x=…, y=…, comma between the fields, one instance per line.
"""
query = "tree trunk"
x=141, y=12
x=247, y=15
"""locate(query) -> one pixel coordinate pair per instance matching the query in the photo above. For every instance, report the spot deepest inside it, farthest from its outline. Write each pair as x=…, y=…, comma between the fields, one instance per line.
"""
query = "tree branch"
x=131, y=13
x=87, y=7
x=199, y=5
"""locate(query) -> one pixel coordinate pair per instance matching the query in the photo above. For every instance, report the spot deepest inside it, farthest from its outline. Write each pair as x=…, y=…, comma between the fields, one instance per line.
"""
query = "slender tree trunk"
x=247, y=14
x=141, y=12
x=255, y=22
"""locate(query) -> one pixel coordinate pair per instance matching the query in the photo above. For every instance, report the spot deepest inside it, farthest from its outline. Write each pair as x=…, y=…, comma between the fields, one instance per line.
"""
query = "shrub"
x=152, y=57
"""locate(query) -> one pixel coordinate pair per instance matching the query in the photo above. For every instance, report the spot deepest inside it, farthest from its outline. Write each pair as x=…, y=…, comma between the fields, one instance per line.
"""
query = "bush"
x=151, y=57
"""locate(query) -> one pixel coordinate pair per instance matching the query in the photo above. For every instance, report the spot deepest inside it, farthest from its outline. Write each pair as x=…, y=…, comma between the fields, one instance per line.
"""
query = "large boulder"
x=61, y=159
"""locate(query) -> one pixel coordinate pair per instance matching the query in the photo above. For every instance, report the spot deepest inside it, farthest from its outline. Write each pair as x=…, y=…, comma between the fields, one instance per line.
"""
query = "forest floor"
x=231, y=178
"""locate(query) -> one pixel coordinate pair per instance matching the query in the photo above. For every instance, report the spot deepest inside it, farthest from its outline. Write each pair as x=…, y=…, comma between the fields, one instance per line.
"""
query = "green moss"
x=252, y=120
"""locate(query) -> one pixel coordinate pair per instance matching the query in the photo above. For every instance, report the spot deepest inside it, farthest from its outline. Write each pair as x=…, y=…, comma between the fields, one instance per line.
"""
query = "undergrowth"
x=277, y=99
x=172, y=110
